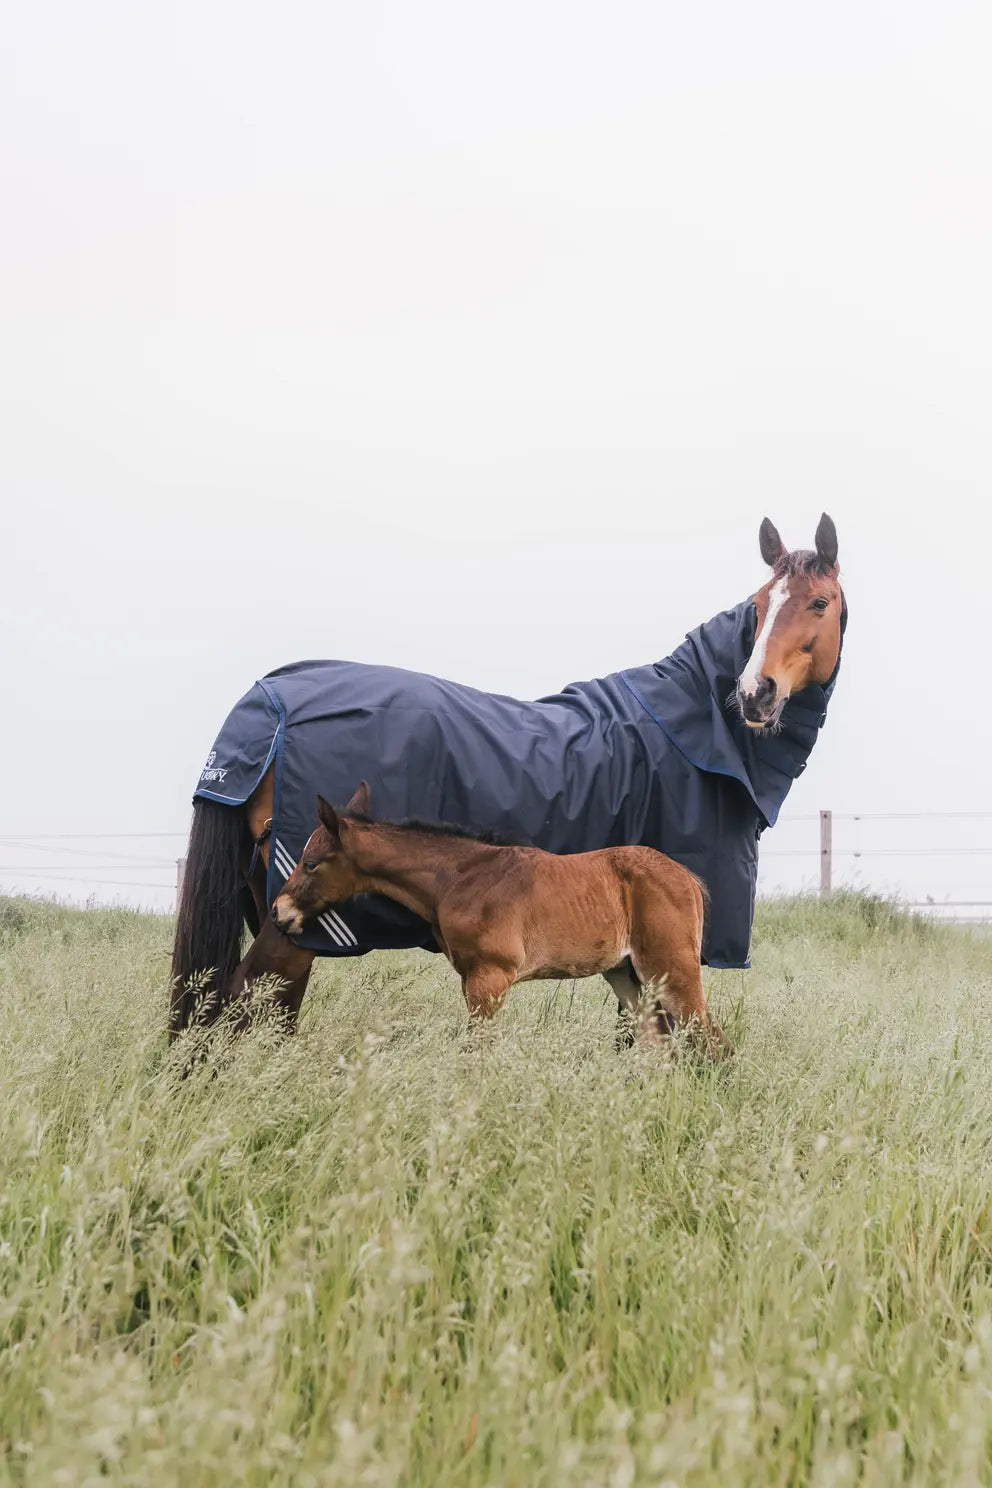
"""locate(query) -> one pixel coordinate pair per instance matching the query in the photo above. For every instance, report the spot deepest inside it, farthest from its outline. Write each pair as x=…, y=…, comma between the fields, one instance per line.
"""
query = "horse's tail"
x=210, y=917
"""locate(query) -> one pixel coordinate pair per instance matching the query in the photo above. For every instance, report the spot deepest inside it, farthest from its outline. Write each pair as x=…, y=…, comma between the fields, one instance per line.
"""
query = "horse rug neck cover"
x=654, y=755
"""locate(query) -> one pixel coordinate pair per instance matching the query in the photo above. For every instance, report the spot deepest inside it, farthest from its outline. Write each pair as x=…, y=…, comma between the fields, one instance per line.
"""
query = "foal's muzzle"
x=286, y=916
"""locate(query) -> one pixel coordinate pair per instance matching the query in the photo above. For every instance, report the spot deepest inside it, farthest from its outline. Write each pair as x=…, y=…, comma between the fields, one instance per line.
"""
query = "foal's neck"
x=411, y=867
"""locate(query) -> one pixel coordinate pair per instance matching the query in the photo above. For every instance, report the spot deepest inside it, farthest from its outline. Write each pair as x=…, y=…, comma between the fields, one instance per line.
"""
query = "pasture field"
x=389, y=1252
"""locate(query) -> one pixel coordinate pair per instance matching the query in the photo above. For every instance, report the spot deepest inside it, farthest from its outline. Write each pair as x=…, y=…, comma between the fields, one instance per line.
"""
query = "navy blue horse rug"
x=654, y=755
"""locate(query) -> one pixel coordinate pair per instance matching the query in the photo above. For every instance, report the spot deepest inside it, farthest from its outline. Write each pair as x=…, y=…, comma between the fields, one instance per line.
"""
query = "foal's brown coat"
x=513, y=914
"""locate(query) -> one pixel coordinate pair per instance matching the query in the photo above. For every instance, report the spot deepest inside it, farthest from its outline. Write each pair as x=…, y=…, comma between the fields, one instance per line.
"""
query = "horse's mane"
x=801, y=564
x=438, y=829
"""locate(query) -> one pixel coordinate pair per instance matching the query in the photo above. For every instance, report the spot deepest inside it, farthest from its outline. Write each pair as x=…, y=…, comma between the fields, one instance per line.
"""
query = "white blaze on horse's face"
x=760, y=700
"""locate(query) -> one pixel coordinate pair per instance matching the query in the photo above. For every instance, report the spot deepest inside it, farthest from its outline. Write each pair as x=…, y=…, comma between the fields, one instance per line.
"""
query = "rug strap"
x=263, y=836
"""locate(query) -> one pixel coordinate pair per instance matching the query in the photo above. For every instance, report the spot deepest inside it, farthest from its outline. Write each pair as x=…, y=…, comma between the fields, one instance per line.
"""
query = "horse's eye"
x=819, y=605
x=309, y=864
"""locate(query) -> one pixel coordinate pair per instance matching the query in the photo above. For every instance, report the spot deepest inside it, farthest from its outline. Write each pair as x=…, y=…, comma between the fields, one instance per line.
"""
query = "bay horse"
x=692, y=755
x=506, y=914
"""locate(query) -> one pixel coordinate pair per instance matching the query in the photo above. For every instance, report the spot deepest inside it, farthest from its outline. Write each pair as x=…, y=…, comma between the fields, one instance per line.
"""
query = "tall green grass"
x=389, y=1252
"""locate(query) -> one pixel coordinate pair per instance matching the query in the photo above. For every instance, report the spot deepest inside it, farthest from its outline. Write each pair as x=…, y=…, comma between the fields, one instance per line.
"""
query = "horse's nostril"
x=766, y=688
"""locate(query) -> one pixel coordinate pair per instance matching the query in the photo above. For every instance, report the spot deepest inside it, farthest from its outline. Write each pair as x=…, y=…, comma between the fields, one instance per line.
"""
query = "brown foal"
x=514, y=914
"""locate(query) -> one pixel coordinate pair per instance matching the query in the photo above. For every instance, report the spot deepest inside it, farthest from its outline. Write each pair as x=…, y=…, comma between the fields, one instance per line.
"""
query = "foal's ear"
x=826, y=542
x=328, y=818
x=359, y=802
x=772, y=546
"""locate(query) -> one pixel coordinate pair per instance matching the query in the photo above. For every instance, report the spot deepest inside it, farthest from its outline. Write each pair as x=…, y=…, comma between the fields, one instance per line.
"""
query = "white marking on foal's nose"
x=748, y=683
x=288, y=912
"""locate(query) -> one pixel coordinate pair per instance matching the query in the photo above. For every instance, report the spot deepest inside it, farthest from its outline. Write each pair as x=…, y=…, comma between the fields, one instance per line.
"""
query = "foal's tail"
x=701, y=895
x=700, y=883
x=210, y=918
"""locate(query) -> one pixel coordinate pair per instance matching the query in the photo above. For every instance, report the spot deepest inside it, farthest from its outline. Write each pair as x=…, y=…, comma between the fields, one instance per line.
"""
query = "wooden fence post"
x=180, y=874
x=826, y=852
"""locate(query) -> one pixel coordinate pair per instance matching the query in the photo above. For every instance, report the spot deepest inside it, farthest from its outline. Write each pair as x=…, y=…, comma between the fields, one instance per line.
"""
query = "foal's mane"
x=413, y=825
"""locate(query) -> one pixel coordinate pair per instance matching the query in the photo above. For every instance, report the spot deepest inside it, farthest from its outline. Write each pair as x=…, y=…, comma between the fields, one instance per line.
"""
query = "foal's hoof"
x=720, y=1046
x=626, y=1033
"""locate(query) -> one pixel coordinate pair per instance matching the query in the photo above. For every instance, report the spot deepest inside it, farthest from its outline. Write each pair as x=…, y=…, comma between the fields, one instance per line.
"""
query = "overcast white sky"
x=478, y=339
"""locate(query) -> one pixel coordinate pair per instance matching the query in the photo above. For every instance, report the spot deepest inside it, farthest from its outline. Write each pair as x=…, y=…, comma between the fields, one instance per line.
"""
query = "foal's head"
x=798, y=637
x=327, y=871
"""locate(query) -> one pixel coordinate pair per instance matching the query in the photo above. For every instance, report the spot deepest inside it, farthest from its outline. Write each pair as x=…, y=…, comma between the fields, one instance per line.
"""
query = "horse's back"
x=582, y=769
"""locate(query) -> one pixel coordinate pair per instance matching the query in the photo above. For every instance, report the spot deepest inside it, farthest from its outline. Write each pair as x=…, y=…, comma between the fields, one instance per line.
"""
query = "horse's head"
x=326, y=872
x=797, y=641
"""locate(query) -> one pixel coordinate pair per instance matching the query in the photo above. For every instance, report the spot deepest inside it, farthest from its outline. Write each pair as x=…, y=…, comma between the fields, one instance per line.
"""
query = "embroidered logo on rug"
x=210, y=771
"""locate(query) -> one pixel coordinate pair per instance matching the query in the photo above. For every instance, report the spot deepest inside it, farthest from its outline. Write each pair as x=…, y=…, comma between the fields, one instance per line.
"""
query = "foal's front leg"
x=485, y=988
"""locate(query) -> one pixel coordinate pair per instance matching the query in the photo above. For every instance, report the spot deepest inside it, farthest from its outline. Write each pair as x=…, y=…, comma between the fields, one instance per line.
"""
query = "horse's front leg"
x=271, y=954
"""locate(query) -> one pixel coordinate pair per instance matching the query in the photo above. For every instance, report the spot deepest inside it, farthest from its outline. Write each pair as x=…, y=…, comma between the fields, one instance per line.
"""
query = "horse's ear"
x=772, y=546
x=328, y=818
x=826, y=542
x=359, y=803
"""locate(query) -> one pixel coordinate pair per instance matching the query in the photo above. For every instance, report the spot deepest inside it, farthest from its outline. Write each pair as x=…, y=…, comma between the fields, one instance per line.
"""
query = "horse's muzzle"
x=762, y=707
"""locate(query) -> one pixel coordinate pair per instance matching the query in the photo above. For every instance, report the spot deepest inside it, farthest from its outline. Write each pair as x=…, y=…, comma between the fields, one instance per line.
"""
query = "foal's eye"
x=309, y=864
x=819, y=605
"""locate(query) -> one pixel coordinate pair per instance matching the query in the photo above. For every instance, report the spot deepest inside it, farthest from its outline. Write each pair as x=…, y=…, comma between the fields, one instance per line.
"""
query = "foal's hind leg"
x=677, y=985
x=667, y=961
x=665, y=950
x=628, y=992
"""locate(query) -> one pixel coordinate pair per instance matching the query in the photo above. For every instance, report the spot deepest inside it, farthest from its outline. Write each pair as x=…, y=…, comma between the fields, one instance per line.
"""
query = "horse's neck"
x=410, y=868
